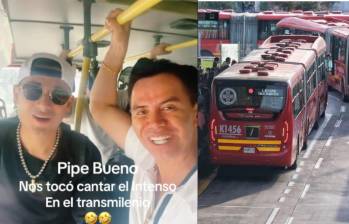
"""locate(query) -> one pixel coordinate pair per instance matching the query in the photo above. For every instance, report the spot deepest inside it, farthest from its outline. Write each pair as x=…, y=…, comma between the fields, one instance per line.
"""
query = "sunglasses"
x=33, y=92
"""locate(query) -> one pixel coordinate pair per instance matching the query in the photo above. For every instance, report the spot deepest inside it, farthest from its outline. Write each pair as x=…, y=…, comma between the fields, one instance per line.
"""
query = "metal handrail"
x=169, y=48
x=130, y=13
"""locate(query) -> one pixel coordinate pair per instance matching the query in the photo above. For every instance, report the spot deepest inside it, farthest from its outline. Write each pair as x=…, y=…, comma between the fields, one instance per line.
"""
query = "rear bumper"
x=225, y=157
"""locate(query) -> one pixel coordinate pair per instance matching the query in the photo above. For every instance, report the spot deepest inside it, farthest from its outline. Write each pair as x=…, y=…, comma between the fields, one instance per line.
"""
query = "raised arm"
x=103, y=98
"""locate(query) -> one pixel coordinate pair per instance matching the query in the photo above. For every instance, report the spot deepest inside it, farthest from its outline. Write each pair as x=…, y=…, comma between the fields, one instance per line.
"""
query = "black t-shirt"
x=17, y=207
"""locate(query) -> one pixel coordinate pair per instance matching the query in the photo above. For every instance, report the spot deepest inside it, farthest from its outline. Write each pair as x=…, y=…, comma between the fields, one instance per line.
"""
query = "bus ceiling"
x=43, y=24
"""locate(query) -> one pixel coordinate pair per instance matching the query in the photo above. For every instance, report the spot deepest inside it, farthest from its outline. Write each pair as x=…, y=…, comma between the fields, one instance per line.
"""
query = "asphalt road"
x=316, y=192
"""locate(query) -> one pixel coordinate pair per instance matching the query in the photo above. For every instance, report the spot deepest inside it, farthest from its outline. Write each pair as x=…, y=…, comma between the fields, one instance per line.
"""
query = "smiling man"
x=159, y=134
x=32, y=144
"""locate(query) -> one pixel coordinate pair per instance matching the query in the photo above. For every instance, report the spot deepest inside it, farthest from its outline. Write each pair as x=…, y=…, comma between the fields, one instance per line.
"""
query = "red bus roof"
x=222, y=15
x=301, y=24
x=272, y=15
x=336, y=28
x=287, y=69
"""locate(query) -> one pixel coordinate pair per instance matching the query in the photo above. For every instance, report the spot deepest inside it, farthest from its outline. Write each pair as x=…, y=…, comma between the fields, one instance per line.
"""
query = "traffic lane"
x=269, y=188
x=261, y=191
x=327, y=200
x=241, y=195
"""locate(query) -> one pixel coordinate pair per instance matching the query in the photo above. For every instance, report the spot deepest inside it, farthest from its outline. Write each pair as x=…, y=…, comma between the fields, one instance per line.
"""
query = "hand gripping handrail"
x=136, y=9
x=132, y=12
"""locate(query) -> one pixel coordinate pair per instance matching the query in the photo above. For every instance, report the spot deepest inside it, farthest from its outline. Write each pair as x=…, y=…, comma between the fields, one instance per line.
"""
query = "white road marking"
x=302, y=163
x=298, y=169
x=272, y=216
x=282, y=199
x=318, y=134
x=230, y=215
x=295, y=176
x=306, y=189
x=291, y=184
x=235, y=206
x=289, y=220
x=239, y=206
x=287, y=191
x=318, y=163
x=329, y=140
x=338, y=123
x=343, y=108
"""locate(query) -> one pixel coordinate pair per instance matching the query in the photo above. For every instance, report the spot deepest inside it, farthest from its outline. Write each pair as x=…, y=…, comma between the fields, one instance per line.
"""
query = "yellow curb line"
x=203, y=184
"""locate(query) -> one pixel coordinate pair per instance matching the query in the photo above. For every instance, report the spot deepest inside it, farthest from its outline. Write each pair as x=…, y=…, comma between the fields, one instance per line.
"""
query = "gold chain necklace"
x=33, y=186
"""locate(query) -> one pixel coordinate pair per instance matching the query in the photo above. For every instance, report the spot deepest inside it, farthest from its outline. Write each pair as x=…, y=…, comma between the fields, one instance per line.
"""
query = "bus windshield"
x=253, y=96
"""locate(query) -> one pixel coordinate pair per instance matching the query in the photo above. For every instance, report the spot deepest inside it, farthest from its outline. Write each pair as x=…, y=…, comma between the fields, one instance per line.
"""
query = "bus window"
x=298, y=98
x=8, y=78
x=296, y=106
x=208, y=29
x=224, y=29
x=339, y=49
x=266, y=28
x=311, y=80
x=321, y=68
x=258, y=96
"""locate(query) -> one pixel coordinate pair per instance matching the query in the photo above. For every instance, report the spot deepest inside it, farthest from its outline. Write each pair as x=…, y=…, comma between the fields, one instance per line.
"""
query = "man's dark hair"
x=188, y=75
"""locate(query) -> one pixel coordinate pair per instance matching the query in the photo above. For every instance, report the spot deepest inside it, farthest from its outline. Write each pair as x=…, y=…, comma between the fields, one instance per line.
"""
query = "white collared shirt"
x=175, y=207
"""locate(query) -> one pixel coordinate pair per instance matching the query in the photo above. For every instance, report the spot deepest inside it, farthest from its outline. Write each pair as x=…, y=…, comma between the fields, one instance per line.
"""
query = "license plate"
x=249, y=150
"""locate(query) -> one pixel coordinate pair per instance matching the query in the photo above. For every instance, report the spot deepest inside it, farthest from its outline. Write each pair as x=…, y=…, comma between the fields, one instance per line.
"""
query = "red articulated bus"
x=336, y=35
x=264, y=107
x=267, y=20
x=214, y=29
x=215, y=25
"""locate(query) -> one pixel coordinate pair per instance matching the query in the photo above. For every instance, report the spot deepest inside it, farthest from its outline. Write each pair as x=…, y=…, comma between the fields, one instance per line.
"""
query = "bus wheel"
x=295, y=163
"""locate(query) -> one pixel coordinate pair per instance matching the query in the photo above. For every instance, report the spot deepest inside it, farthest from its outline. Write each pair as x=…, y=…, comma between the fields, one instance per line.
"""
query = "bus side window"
x=311, y=80
x=328, y=62
x=298, y=96
x=296, y=106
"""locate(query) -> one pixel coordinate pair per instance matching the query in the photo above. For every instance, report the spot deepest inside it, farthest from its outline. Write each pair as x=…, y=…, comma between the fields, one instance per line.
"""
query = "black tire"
x=295, y=163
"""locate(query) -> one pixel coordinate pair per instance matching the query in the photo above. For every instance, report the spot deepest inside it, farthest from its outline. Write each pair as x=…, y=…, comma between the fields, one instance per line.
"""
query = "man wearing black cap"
x=32, y=144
